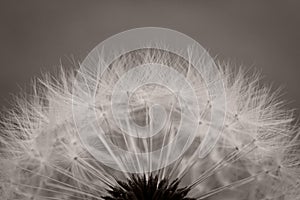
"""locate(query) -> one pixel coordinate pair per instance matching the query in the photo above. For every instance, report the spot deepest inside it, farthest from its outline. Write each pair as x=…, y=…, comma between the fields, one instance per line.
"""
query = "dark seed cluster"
x=141, y=188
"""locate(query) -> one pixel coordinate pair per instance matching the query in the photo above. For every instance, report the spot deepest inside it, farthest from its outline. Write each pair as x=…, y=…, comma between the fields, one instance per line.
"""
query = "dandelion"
x=148, y=125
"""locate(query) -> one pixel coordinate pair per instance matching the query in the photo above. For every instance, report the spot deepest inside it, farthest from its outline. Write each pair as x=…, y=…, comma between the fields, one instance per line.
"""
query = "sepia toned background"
x=38, y=35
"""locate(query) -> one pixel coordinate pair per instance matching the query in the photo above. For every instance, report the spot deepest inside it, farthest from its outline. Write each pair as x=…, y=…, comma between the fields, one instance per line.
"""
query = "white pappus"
x=43, y=156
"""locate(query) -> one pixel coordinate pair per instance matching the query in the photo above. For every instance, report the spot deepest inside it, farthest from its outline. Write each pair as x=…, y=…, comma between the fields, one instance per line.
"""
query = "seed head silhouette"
x=150, y=116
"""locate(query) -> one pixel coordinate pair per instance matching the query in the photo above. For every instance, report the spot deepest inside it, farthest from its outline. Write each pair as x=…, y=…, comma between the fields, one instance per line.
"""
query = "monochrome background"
x=37, y=36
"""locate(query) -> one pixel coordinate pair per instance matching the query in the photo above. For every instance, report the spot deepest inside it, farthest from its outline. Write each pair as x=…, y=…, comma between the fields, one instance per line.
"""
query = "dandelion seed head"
x=43, y=155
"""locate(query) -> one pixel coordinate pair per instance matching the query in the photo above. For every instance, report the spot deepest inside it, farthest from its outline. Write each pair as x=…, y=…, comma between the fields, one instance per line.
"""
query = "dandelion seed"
x=108, y=132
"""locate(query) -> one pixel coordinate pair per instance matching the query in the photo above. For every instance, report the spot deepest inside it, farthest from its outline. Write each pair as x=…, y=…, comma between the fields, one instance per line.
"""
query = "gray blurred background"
x=38, y=35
